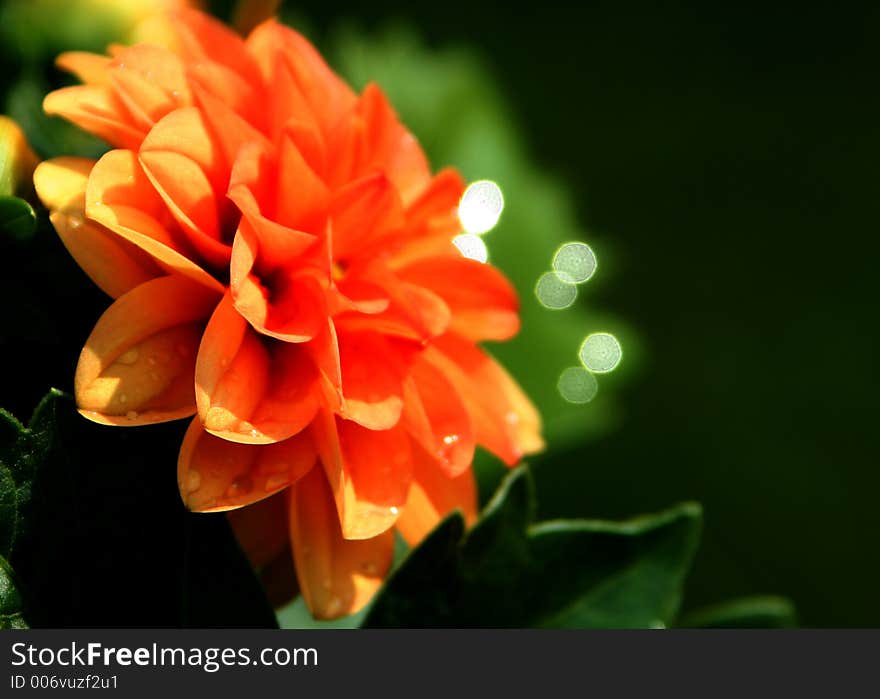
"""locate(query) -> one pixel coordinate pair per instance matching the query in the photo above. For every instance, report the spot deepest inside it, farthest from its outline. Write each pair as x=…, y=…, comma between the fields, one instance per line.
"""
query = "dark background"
x=728, y=155
x=730, y=152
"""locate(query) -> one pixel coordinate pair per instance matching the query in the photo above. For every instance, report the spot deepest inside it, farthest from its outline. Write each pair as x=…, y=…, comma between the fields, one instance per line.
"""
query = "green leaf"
x=17, y=218
x=760, y=612
x=10, y=601
x=93, y=526
x=570, y=574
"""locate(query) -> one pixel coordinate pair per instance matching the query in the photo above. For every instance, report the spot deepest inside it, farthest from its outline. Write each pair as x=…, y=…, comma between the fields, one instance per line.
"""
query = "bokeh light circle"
x=554, y=293
x=601, y=353
x=480, y=207
x=471, y=246
x=577, y=385
x=575, y=262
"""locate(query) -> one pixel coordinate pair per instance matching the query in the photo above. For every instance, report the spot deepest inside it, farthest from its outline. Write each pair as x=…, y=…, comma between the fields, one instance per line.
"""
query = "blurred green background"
x=721, y=161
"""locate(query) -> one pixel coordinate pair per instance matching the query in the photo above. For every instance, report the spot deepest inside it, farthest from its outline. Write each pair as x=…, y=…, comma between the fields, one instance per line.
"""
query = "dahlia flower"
x=282, y=265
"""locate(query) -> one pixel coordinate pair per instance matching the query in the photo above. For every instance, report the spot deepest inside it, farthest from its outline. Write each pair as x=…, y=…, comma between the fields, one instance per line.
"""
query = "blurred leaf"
x=768, y=612
x=17, y=218
x=10, y=601
x=506, y=572
x=97, y=534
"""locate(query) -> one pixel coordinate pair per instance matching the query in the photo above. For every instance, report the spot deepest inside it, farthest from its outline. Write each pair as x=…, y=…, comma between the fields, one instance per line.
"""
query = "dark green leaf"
x=10, y=601
x=765, y=612
x=95, y=531
x=509, y=572
x=17, y=218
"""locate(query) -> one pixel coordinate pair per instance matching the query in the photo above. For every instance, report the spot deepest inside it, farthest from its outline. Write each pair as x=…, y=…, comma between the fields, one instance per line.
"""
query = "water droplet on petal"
x=75, y=221
x=193, y=481
x=129, y=357
x=151, y=361
x=132, y=415
x=333, y=607
x=242, y=485
x=394, y=510
x=123, y=398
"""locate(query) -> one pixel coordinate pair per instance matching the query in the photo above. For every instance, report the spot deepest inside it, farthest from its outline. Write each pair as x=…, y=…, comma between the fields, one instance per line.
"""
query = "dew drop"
x=393, y=510
x=75, y=221
x=334, y=606
x=129, y=357
x=242, y=485
x=123, y=398
x=132, y=415
x=151, y=361
x=193, y=481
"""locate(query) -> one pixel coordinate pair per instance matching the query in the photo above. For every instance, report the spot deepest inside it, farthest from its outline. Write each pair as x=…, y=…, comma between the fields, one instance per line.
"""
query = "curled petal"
x=214, y=474
x=483, y=303
x=363, y=213
x=503, y=418
x=337, y=576
x=251, y=389
x=98, y=110
x=61, y=182
x=186, y=167
x=88, y=67
x=113, y=263
x=373, y=369
x=120, y=197
x=437, y=418
x=261, y=529
x=150, y=81
x=433, y=495
x=369, y=473
x=137, y=365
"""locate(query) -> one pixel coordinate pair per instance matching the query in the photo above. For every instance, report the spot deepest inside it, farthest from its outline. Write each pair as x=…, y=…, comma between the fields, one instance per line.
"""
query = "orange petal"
x=120, y=197
x=302, y=197
x=137, y=365
x=327, y=97
x=437, y=418
x=150, y=81
x=337, y=576
x=373, y=369
x=484, y=304
x=185, y=166
x=369, y=473
x=261, y=529
x=251, y=389
x=504, y=419
x=61, y=182
x=113, y=263
x=433, y=495
x=214, y=474
x=364, y=212
x=98, y=110
x=90, y=68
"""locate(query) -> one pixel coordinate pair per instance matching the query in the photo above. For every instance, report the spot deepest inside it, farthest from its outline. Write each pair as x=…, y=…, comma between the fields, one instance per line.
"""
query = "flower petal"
x=120, y=197
x=504, y=419
x=261, y=528
x=252, y=389
x=437, y=418
x=88, y=67
x=373, y=369
x=369, y=473
x=137, y=365
x=363, y=213
x=98, y=110
x=215, y=475
x=187, y=168
x=61, y=182
x=337, y=576
x=433, y=495
x=483, y=302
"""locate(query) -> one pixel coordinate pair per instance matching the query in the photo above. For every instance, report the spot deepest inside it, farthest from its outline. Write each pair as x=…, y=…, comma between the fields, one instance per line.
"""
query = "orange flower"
x=282, y=262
